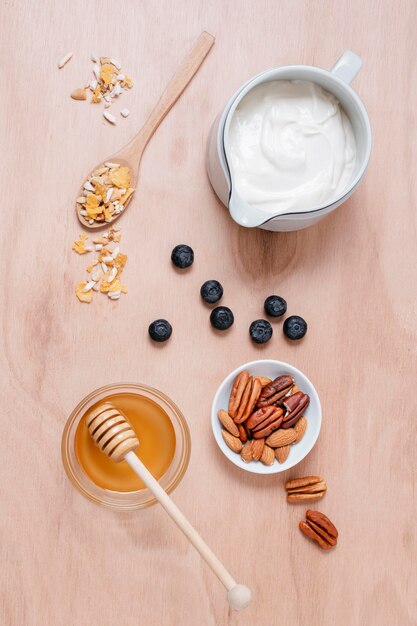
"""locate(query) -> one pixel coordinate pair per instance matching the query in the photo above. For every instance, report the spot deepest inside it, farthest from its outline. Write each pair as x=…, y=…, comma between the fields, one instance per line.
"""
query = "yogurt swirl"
x=292, y=146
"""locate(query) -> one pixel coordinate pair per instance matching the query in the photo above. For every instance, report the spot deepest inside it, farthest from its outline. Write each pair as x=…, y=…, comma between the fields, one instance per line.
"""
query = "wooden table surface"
x=353, y=277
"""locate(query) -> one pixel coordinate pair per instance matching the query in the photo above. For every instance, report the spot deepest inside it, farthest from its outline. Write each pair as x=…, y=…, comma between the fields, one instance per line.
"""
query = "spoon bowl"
x=130, y=156
x=120, y=159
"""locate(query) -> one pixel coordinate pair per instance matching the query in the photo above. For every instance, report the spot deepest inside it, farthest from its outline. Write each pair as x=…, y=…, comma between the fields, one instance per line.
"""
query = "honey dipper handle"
x=238, y=595
x=174, y=89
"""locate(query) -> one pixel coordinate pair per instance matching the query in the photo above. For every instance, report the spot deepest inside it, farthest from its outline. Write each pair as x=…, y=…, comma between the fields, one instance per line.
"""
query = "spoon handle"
x=239, y=595
x=174, y=89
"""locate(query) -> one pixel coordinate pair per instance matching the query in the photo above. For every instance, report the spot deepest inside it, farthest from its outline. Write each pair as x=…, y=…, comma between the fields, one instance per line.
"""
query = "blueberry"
x=182, y=256
x=160, y=330
x=295, y=327
x=221, y=318
x=275, y=306
x=260, y=331
x=211, y=291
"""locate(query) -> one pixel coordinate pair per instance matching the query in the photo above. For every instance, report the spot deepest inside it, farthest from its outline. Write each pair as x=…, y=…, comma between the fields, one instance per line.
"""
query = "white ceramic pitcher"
x=336, y=81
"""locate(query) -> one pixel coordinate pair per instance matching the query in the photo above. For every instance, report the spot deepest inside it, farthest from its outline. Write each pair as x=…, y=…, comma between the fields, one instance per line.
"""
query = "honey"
x=156, y=450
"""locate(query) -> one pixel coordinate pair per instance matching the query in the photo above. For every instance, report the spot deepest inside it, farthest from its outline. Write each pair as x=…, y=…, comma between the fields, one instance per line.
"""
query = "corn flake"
x=79, y=245
x=120, y=177
x=108, y=72
x=102, y=240
x=114, y=266
x=96, y=95
x=83, y=296
x=126, y=196
x=108, y=212
x=121, y=260
x=115, y=286
x=92, y=201
x=105, y=286
x=91, y=266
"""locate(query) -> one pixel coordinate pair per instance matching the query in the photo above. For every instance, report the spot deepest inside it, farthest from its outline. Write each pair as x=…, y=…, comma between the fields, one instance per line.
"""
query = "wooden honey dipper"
x=115, y=437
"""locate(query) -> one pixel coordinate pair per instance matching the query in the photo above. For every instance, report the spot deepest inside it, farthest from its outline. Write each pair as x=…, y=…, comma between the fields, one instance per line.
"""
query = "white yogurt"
x=291, y=146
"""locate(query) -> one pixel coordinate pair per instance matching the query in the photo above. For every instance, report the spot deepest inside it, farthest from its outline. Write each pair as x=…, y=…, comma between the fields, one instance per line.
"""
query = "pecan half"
x=255, y=391
x=293, y=401
x=264, y=421
x=320, y=529
x=275, y=415
x=303, y=481
x=264, y=380
x=277, y=398
x=259, y=416
x=311, y=534
x=279, y=384
x=323, y=521
x=236, y=394
x=267, y=429
x=291, y=417
x=305, y=489
x=305, y=498
x=244, y=401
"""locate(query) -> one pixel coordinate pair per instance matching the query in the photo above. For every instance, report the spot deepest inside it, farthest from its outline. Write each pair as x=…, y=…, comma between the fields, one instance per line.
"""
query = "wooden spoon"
x=130, y=156
x=115, y=437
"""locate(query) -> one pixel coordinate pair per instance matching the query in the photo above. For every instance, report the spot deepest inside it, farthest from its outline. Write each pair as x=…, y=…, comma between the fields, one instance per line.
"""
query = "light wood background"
x=353, y=277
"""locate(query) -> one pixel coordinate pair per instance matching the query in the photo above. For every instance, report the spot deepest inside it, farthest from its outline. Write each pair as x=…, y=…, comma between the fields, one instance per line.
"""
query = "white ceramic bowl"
x=270, y=369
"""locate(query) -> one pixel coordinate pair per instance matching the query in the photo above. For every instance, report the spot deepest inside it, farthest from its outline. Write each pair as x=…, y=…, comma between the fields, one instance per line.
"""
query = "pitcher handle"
x=347, y=66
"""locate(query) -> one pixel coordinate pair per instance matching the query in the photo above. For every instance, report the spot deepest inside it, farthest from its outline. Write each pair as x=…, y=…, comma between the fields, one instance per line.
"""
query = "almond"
x=280, y=438
x=268, y=456
x=227, y=422
x=282, y=453
x=300, y=428
x=246, y=452
x=79, y=94
x=257, y=447
x=232, y=442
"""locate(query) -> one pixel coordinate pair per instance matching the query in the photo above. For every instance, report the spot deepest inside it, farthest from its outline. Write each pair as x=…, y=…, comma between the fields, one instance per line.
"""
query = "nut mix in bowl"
x=266, y=416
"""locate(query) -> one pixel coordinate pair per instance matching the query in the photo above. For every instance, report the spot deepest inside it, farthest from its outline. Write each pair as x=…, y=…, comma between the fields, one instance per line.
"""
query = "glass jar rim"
x=125, y=501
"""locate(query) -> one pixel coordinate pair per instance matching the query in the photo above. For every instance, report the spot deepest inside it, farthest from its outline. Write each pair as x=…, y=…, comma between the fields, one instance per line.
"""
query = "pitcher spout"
x=245, y=214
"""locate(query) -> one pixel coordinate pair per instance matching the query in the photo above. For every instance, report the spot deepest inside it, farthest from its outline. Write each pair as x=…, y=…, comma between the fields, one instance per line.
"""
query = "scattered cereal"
x=65, y=60
x=107, y=279
x=106, y=193
x=124, y=112
x=79, y=94
x=81, y=294
x=79, y=245
x=109, y=117
x=108, y=83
